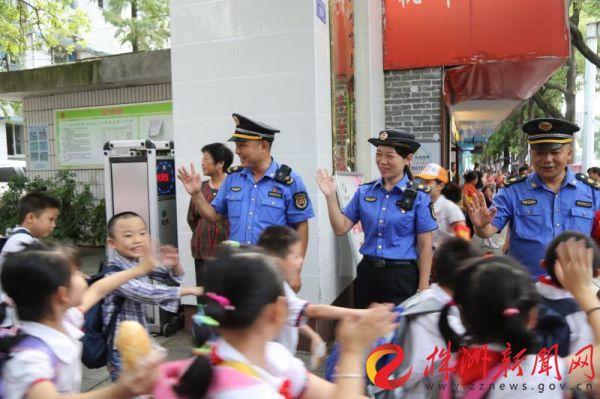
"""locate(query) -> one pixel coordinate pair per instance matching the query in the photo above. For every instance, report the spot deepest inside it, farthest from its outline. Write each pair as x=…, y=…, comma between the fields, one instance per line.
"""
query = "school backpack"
x=3, y=240
x=552, y=327
x=98, y=339
x=409, y=310
x=26, y=342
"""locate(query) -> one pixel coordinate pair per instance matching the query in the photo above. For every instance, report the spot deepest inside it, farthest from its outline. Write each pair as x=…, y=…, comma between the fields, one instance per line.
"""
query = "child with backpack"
x=498, y=304
x=127, y=237
x=37, y=219
x=284, y=245
x=244, y=294
x=418, y=332
x=42, y=361
x=560, y=320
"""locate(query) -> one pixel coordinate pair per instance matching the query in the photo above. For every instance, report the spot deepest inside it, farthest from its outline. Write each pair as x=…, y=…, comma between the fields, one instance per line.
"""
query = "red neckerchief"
x=285, y=389
x=478, y=370
x=547, y=280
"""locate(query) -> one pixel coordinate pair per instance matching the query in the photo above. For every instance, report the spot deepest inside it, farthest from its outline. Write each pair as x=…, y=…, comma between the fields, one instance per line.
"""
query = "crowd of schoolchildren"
x=481, y=323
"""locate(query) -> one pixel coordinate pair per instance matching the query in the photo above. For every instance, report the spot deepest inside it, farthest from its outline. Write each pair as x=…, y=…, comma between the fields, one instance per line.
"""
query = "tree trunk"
x=134, y=14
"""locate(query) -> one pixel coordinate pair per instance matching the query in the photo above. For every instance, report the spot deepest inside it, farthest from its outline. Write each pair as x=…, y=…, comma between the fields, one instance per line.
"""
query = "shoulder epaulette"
x=423, y=188
x=234, y=169
x=587, y=180
x=514, y=180
x=369, y=182
x=288, y=181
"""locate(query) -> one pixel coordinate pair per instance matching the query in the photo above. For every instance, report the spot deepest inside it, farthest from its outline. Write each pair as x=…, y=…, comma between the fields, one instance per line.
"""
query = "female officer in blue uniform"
x=397, y=218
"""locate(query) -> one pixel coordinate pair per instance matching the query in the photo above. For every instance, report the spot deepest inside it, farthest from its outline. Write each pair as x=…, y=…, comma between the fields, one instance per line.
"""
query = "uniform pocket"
x=528, y=221
x=234, y=205
x=581, y=219
x=272, y=209
x=404, y=225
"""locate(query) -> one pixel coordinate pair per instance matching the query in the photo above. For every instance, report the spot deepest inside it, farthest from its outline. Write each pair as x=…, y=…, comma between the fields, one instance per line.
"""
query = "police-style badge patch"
x=275, y=194
x=529, y=201
x=432, y=210
x=545, y=126
x=301, y=200
x=585, y=204
x=370, y=199
x=236, y=188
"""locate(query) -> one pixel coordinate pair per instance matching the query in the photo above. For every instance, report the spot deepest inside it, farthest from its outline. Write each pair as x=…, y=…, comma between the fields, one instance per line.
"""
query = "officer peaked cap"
x=248, y=130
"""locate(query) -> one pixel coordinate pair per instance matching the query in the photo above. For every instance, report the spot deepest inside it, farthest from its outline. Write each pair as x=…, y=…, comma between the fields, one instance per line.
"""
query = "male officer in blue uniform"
x=259, y=193
x=540, y=206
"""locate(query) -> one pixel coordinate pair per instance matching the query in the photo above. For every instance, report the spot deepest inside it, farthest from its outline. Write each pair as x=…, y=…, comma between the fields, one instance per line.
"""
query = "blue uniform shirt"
x=252, y=206
x=390, y=232
x=537, y=215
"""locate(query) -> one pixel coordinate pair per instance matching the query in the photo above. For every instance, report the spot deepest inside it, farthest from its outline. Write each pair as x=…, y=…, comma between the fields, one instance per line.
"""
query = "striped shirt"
x=140, y=292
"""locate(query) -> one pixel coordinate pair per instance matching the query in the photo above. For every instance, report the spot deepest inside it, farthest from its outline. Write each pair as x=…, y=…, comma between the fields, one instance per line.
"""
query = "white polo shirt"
x=16, y=243
x=29, y=366
x=423, y=336
x=288, y=336
x=447, y=213
x=281, y=368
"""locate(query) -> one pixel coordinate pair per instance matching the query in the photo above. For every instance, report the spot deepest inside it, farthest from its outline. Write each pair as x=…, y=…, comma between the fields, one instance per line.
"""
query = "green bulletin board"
x=81, y=132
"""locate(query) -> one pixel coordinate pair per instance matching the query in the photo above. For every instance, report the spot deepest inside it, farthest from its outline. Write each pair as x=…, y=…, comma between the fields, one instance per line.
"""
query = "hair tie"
x=511, y=312
x=451, y=302
x=221, y=300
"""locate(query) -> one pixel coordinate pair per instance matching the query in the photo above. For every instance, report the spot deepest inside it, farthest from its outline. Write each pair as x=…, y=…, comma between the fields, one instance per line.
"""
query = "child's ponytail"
x=449, y=335
x=194, y=383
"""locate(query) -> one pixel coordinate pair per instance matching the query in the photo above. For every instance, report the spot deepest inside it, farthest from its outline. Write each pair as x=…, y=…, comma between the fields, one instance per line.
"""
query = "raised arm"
x=192, y=184
x=108, y=284
x=339, y=222
x=482, y=217
x=574, y=271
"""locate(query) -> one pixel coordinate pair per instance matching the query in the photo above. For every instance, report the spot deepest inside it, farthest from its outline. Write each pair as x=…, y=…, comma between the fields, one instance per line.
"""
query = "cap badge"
x=383, y=136
x=236, y=120
x=545, y=126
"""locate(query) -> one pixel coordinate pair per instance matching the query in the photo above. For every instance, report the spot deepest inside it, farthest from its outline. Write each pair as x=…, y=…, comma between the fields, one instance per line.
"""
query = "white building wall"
x=269, y=60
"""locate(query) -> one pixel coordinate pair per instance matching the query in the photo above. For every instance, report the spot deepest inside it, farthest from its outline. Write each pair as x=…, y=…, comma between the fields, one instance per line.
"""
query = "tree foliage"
x=39, y=24
x=144, y=24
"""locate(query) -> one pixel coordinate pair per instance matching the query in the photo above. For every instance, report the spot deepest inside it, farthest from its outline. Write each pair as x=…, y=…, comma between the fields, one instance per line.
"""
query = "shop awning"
x=496, y=53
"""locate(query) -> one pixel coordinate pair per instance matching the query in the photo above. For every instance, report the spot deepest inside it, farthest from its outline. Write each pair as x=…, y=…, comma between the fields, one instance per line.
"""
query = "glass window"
x=14, y=139
x=18, y=132
x=10, y=139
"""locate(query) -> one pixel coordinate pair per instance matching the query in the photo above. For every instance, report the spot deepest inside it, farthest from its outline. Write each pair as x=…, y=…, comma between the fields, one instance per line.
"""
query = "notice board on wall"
x=347, y=184
x=81, y=132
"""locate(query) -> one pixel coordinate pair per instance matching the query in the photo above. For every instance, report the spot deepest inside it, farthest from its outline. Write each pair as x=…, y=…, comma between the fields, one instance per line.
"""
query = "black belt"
x=383, y=263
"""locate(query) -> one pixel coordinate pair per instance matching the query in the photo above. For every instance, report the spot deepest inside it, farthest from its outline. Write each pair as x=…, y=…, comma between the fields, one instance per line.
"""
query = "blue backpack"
x=98, y=340
x=552, y=327
x=26, y=342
